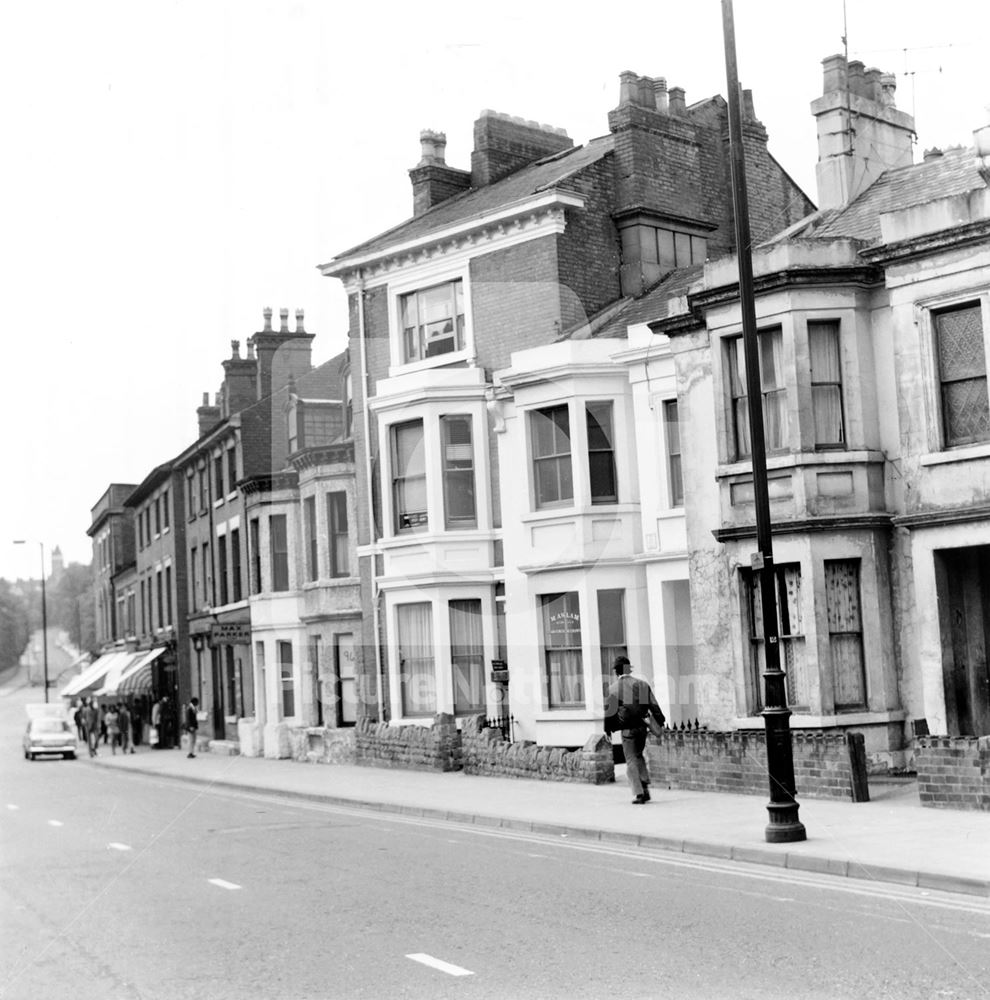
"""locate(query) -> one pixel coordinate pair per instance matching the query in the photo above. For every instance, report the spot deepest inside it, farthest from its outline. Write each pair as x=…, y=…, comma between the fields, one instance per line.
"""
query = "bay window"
x=960, y=353
x=826, y=384
x=773, y=392
x=601, y=452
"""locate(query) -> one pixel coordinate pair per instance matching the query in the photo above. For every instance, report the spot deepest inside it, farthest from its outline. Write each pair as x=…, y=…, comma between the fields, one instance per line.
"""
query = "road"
x=117, y=885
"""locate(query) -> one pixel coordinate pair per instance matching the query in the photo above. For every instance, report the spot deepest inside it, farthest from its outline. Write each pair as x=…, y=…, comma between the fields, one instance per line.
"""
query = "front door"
x=217, y=713
x=964, y=618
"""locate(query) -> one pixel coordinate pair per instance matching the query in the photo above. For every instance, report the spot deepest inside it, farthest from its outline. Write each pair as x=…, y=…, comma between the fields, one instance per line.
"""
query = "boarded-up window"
x=790, y=629
x=845, y=633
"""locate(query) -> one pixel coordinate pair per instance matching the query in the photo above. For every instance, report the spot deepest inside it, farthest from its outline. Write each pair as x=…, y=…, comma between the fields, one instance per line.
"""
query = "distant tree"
x=70, y=605
x=14, y=624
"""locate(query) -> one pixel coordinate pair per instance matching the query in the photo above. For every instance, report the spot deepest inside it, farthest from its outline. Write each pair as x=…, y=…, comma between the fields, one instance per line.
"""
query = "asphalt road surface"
x=116, y=885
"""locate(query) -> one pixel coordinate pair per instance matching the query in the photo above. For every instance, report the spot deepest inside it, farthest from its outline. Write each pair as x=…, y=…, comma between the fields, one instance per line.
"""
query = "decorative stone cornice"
x=943, y=516
x=269, y=483
x=338, y=453
x=841, y=522
x=524, y=220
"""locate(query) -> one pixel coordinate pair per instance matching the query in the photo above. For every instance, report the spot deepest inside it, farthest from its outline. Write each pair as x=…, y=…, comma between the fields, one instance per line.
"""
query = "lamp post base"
x=784, y=826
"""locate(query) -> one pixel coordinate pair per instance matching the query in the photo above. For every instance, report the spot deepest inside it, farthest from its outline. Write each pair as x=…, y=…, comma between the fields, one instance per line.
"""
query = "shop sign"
x=230, y=633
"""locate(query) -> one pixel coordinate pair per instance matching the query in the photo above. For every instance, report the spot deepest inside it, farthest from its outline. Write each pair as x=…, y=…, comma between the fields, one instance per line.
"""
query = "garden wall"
x=953, y=771
x=825, y=766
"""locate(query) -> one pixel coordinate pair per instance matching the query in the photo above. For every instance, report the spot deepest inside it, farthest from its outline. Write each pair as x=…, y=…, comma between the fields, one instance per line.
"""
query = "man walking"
x=91, y=723
x=191, y=724
x=630, y=703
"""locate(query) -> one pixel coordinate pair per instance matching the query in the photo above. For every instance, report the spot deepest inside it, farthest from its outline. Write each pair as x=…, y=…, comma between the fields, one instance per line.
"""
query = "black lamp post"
x=44, y=612
x=784, y=825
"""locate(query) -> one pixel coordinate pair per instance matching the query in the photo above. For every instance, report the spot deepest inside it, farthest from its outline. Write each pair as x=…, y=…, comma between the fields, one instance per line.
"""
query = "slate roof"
x=954, y=172
x=543, y=175
x=654, y=304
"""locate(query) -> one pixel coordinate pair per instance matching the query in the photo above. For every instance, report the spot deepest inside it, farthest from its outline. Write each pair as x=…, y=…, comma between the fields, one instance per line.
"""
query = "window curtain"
x=417, y=679
x=826, y=383
x=774, y=391
x=467, y=656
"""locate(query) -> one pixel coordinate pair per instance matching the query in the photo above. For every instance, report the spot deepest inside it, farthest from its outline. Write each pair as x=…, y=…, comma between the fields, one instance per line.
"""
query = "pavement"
x=890, y=839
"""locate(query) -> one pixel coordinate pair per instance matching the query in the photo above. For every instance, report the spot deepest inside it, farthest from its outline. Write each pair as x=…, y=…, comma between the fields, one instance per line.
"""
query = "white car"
x=50, y=735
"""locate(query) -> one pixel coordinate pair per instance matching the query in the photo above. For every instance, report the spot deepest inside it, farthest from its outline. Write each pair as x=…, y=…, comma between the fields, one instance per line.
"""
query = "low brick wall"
x=825, y=766
x=953, y=771
x=424, y=748
x=486, y=751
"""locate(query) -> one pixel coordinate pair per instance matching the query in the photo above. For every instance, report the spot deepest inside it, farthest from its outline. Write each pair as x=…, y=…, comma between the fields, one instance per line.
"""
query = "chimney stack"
x=207, y=416
x=504, y=144
x=432, y=180
x=240, y=380
x=279, y=354
x=860, y=132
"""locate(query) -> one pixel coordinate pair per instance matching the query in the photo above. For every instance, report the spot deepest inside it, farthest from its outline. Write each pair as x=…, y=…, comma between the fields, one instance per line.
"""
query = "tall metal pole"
x=784, y=825
x=44, y=619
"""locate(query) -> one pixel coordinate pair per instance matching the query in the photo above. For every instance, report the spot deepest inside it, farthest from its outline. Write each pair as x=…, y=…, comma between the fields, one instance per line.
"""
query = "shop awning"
x=92, y=677
x=137, y=678
x=117, y=671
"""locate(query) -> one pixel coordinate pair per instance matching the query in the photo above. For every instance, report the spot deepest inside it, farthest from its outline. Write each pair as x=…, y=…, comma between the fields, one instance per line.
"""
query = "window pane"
x=287, y=679
x=279, y=552
x=826, y=383
x=552, y=455
x=601, y=456
x=564, y=675
x=337, y=525
x=672, y=428
x=417, y=680
x=409, y=472
x=458, y=472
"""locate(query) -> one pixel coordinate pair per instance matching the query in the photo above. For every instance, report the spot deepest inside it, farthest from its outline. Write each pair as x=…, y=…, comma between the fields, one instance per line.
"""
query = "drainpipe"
x=366, y=426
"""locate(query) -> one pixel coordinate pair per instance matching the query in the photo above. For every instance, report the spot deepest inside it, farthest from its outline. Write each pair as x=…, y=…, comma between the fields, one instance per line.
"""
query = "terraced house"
x=873, y=323
x=500, y=518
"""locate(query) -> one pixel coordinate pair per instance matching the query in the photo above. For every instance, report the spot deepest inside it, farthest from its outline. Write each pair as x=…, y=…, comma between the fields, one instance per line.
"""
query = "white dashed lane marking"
x=222, y=883
x=114, y=846
x=435, y=963
x=55, y=822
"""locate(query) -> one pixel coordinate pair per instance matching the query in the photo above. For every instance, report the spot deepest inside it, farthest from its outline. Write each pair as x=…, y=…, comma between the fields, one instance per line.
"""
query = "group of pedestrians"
x=114, y=724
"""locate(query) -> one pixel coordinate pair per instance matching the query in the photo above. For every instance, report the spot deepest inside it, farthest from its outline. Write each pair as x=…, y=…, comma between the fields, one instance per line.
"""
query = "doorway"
x=963, y=582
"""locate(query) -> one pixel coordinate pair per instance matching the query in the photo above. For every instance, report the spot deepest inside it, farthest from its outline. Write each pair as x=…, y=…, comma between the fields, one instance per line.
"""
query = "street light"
x=44, y=611
x=784, y=826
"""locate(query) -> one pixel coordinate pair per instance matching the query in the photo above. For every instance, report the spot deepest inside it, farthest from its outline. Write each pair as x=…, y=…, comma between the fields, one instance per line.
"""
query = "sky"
x=172, y=168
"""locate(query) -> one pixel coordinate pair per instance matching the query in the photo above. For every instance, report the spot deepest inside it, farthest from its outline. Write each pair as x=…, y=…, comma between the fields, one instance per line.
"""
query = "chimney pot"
x=647, y=95
x=834, y=72
x=660, y=94
x=267, y=313
x=873, y=87
x=300, y=315
x=250, y=349
x=628, y=87
x=677, y=103
x=206, y=399
x=432, y=147
x=283, y=315
x=749, y=112
x=235, y=349
x=888, y=85
x=856, y=78
x=932, y=154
